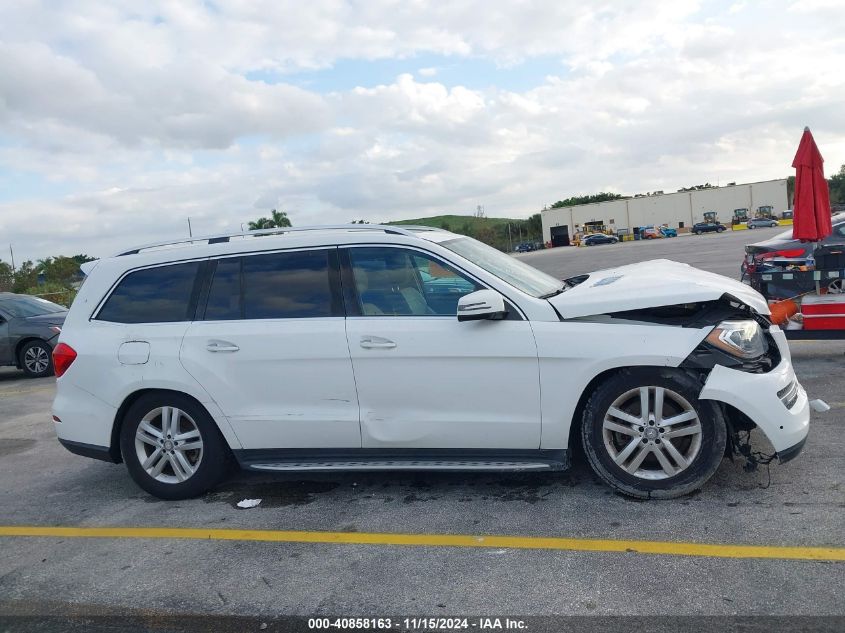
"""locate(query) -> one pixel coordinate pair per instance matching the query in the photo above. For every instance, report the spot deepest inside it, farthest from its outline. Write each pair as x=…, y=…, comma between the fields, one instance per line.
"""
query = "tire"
x=751, y=226
x=697, y=232
x=36, y=359
x=650, y=479
x=207, y=464
x=719, y=230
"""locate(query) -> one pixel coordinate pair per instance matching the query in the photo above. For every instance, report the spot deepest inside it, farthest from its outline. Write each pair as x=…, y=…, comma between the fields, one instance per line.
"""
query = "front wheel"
x=646, y=434
x=36, y=359
x=172, y=446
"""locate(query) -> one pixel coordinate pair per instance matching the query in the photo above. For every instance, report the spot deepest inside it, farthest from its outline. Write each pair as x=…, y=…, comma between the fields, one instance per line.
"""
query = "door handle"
x=376, y=342
x=221, y=346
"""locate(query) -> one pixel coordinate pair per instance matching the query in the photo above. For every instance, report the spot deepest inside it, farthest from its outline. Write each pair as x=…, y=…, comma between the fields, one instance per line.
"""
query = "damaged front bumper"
x=775, y=401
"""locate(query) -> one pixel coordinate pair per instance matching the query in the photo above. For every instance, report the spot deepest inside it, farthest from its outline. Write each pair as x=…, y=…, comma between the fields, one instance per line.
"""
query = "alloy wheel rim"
x=169, y=445
x=652, y=433
x=36, y=359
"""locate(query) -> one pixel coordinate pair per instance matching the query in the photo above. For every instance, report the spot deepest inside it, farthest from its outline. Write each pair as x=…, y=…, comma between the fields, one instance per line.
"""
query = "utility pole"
x=510, y=241
x=190, y=233
x=12, y=253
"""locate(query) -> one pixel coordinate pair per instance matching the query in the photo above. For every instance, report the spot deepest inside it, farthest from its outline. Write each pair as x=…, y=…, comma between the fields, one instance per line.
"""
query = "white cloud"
x=139, y=115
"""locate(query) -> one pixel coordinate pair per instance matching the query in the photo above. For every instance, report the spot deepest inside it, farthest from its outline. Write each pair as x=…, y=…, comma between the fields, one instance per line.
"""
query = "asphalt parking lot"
x=798, y=505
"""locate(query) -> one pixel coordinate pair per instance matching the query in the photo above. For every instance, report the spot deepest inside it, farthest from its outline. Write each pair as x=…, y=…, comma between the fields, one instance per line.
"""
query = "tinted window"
x=287, y=285
x=153, y=295
x=396, y=282
x=224, y=298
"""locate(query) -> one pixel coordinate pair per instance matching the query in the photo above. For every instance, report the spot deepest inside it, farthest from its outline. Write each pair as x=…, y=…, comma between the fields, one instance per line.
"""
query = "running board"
x=333, y=460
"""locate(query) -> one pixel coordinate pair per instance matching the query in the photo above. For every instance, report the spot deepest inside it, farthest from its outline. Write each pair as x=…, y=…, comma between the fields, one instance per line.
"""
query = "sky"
x=120, y=120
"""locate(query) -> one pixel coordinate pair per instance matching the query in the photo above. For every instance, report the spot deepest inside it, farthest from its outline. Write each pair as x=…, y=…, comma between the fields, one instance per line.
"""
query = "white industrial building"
x=678, y=210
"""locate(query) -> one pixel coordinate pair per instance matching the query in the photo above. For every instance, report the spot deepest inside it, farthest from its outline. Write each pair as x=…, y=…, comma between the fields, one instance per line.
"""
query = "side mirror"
x=481, y=304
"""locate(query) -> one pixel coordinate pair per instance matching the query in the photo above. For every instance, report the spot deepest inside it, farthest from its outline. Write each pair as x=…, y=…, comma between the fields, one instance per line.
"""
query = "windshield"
x=30, y=306
x=509, y=269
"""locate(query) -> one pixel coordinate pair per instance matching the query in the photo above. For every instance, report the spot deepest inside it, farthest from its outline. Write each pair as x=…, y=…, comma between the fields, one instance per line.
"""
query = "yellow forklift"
x=740, y=216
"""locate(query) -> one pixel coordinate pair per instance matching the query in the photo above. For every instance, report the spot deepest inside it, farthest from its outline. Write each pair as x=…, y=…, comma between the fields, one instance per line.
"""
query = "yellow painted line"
x=18, y=392
x=436, y=540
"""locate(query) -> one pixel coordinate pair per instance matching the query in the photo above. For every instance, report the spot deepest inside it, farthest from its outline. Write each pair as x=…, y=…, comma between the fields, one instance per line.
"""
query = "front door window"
x=399, y=282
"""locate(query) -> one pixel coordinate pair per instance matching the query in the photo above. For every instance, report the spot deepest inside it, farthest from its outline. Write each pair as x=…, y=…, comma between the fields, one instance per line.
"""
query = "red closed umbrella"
x=811, y=211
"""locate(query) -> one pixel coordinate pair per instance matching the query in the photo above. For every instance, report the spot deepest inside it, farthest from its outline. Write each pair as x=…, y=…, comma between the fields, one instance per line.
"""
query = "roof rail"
x=224, y=237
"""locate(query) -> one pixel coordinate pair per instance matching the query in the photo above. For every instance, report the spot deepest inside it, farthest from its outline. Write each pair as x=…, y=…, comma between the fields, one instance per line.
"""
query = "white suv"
x=387, y=348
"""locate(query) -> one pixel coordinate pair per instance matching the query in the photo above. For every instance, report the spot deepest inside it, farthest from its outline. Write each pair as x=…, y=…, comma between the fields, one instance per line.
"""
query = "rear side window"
x=224, y=297
x=153, y=295
x=287, y=285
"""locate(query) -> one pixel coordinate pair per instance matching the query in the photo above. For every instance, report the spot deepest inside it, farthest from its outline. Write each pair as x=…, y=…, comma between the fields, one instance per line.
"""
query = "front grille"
x=789, y=394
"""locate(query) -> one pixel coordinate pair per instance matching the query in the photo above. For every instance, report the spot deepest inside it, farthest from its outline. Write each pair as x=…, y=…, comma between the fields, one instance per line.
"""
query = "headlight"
x=738, y=338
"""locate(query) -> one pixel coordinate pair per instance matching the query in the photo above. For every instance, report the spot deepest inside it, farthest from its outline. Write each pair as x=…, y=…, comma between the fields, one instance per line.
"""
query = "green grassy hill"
x=457, y=222
x=493, y=231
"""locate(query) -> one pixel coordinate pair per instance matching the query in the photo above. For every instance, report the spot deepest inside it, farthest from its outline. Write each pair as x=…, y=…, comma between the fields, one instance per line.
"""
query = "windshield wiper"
x=555, y=293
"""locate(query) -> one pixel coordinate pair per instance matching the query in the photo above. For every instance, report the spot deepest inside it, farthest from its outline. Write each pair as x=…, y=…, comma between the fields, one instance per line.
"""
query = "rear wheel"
x=172, y=447
x=647, y=435
x=697, y=232
x=36, y=359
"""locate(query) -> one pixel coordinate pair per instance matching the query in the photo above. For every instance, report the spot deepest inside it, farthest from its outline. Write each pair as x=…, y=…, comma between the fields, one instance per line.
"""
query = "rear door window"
x=154, y=295
x=287, y=285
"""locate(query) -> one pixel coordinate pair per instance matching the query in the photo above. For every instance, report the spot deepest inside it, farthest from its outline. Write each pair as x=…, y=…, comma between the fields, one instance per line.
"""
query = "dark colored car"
x=599, y=238
x=757, y=223
x=708, y=227
x=29, y=329
x=781, y=251
x=525, y=247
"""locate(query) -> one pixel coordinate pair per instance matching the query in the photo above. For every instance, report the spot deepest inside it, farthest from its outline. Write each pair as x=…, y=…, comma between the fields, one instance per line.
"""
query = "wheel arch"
x=578, y=415
x=132, y=398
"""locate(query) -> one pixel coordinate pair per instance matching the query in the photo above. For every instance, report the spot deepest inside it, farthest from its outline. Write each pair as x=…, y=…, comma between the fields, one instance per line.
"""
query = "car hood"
x=54, y=318
x=659, y=282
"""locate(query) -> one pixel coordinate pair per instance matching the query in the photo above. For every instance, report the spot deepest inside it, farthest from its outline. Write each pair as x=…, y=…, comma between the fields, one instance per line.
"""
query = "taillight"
x=63, y=357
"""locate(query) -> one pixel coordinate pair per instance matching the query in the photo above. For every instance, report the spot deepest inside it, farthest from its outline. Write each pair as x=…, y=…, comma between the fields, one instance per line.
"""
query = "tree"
x=836, y=184
x=7, y=279
x=26, y=276
x=534, y=226
x=59, y=270
x=277, y=220
x=576, y=200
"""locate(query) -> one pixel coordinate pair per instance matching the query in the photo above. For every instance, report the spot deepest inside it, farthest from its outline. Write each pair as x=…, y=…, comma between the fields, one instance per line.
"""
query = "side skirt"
x=376, y=459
